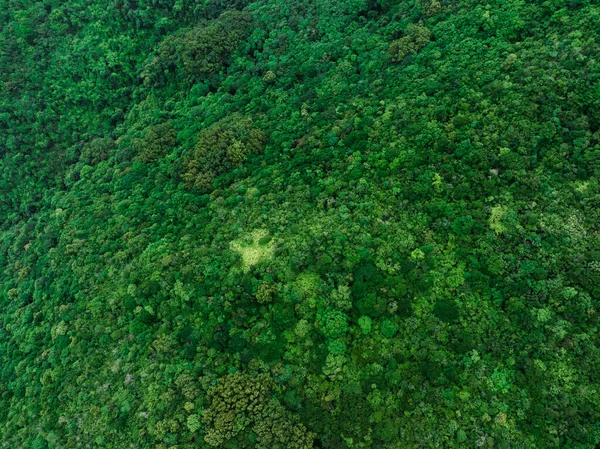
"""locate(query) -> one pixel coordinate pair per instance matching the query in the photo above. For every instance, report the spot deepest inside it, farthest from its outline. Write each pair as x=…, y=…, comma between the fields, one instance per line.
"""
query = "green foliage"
x=97, y=150
x=388, y=329
x=386, y=431
x=365, y=324
x=336, y=347
x=463, y=225
x=266, y=292
x=269, y=77
x=416, y=38
x=334, y=324
x=220, y=148
x=389, y=207
x=196, y=53
x=240, y=404
x=193, y=423
x=157, y=142
x=235, y=401
x=446, y=310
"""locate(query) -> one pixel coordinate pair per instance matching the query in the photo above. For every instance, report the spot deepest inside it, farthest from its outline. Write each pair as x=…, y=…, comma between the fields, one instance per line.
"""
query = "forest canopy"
x=353, y=224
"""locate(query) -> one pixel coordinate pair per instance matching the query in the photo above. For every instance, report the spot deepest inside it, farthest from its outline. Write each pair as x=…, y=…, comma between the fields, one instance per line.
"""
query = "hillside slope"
x=271, y=224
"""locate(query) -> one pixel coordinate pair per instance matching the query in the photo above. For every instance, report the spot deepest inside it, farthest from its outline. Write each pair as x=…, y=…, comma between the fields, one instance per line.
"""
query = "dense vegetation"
x=299, y=224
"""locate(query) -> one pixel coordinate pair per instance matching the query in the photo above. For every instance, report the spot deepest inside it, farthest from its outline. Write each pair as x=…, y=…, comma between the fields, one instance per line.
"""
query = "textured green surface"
x=296, y=224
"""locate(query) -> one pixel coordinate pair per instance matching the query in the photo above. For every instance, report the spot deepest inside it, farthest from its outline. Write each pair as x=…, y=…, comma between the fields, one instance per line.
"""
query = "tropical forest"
x=307, y=224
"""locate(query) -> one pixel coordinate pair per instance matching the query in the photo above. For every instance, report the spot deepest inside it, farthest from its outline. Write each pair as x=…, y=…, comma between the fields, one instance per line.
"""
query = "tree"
x=157, y=141
x=241, y=404
x=221, y=147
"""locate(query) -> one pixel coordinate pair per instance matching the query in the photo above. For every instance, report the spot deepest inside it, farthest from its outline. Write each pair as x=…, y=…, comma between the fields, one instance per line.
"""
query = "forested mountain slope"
x=299, y=224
